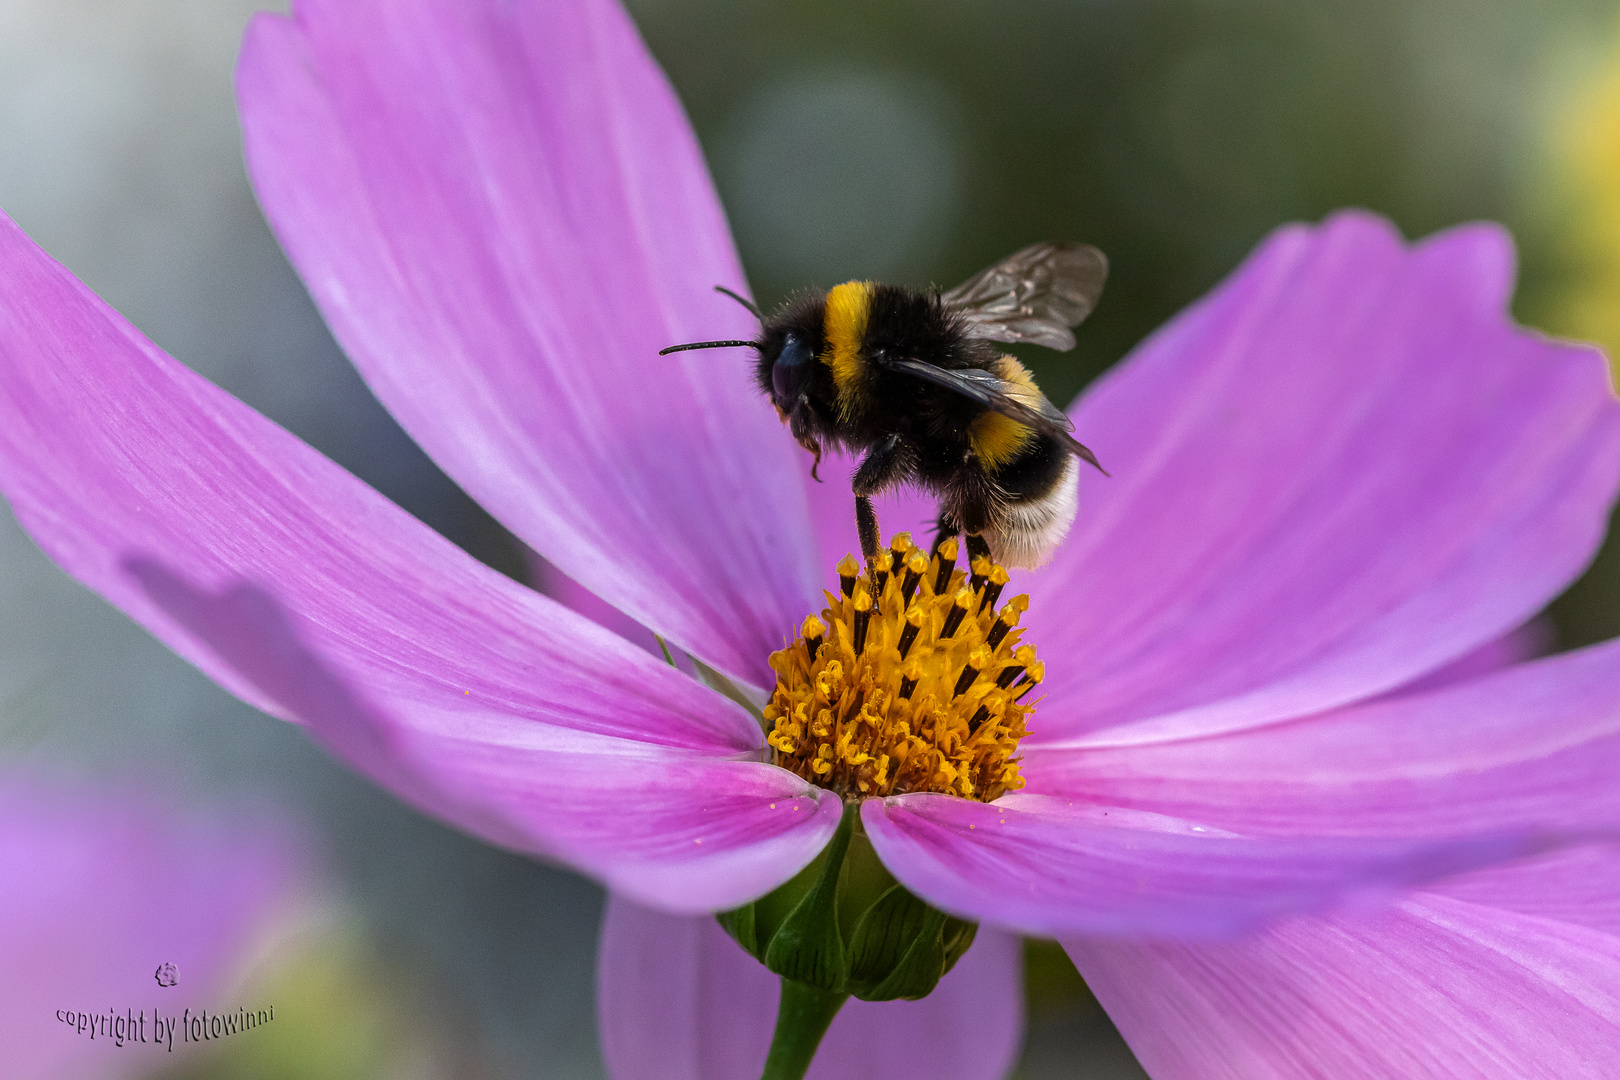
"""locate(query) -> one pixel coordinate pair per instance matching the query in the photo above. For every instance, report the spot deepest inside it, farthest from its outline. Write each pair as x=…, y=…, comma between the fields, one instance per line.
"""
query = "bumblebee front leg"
x=886, y=464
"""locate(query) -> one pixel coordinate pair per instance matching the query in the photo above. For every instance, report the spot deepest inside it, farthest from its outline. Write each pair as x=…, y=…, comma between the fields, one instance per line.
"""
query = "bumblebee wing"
x=984, y=388
x=1032, y=295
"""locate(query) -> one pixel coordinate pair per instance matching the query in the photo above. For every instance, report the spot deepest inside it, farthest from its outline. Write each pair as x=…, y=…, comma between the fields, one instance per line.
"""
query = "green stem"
x=802, y=1019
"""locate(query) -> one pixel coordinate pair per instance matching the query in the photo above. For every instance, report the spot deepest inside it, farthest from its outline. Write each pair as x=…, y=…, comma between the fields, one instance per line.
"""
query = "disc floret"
x=909, y=680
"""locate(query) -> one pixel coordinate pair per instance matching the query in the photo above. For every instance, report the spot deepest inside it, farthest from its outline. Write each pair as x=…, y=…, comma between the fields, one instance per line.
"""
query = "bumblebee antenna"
x=743, y=300
x=707, y=345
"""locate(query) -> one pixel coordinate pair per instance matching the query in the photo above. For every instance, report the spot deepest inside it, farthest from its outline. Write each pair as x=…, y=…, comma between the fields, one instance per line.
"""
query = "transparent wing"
x=984, y=387
x=1033, y=295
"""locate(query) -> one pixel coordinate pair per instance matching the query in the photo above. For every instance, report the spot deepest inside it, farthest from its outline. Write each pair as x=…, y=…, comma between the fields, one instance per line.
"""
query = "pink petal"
x=1051, y=866
x=1535, y=638
x=1534, y=746
x=679, y=1000
x=681, y=830
x=576, y=597
x=312, y=597
x=1341, y=470
x=102, y=886
x=1506, y=975
x=504, y=216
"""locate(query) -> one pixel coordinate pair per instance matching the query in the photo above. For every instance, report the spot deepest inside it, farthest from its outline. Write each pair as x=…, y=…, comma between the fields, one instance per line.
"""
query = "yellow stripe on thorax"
x=996, y=439
x=844, y=325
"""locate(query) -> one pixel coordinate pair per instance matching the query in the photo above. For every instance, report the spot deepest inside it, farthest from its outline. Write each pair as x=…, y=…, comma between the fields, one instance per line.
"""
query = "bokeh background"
x=912, y=140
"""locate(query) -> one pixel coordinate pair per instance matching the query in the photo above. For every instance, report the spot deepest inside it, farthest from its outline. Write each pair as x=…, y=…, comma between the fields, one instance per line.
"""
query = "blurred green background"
x=900, y=139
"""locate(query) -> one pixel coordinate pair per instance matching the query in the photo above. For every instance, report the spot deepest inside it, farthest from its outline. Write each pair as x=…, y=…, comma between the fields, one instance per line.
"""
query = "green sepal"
x=807, y=947
x=898, y=950
x=958, y=935
x=754, y=924
x=741, y=924
x=900, y=947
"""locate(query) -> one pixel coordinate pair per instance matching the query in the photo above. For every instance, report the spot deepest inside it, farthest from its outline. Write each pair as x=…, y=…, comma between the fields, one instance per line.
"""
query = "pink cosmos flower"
x=1270, y=755
x=100, y=888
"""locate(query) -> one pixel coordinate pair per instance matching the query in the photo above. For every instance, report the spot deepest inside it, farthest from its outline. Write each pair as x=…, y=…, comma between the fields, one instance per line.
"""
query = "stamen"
x=1031, y=678
x=947, y=563
x=958, y=612
x=898, y=548
x=994, y=705
x=848, y=571
x=981, y=571
x=890, y=693
x=862, y=620
x=1007, y=620
x=999, y=629
x=908, y=636
x=915, y=565
x=970, y=671
x=992, y=590
x=814, y=632
x=909, y=680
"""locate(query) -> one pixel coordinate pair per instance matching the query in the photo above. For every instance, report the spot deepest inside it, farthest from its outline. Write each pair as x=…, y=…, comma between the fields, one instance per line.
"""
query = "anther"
x=813, y=632
x=909, y=678
x=899, y=547
x=915, y=565
x=981, y=572
x=958, y=612
x=978, y=660
x=1032, y=678
x=992, y=590
x=848, y=571
x=915, y=693
x=908, y=637
x=1005, y=622
x=965, y=680
x=946, y=553
x=861, y=621
x=982, y=713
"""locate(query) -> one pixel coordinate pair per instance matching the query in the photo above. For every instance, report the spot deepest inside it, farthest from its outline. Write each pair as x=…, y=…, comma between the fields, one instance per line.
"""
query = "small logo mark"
x=166, y=975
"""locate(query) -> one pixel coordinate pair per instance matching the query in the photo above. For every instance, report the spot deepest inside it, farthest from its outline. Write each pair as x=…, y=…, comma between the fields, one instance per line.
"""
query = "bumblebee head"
x=789, y=349
x=791, y=368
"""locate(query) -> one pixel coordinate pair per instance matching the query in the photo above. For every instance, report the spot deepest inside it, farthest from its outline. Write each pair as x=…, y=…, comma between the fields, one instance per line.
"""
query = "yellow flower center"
x=910, y=680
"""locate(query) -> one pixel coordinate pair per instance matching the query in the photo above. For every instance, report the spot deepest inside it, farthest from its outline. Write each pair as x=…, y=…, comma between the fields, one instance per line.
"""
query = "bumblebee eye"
x=791, y=370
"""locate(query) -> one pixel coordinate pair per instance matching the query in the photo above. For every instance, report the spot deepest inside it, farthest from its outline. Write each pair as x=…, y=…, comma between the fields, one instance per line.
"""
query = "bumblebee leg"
x=885, y=465
x=977, y=546
x=945, y=527
x=866, y=523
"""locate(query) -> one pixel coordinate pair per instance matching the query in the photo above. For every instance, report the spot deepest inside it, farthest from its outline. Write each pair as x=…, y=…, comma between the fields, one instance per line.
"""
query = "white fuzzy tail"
x=1027, y=533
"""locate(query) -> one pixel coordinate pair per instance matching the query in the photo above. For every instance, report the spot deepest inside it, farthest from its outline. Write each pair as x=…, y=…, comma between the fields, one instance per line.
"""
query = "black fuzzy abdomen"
x=1033, y=474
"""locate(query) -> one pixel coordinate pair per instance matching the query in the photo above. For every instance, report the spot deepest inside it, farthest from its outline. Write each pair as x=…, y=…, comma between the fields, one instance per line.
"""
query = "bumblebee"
x=914, y=383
